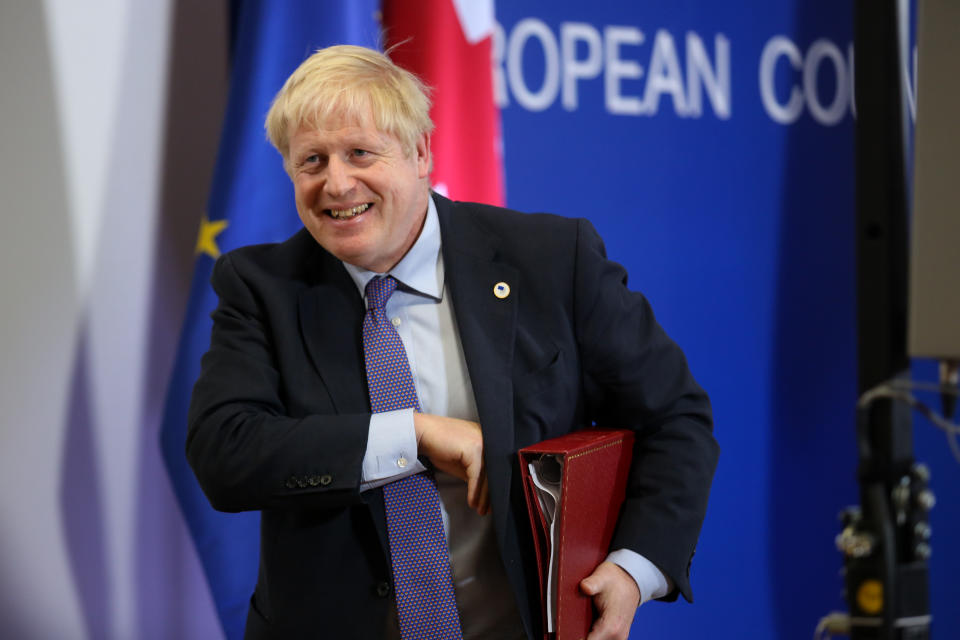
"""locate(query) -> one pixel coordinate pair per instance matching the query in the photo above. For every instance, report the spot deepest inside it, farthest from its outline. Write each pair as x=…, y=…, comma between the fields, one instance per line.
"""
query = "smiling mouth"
x=346, y=214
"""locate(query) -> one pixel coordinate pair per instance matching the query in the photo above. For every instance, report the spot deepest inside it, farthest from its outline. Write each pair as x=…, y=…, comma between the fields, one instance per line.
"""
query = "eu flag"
x=251, y=201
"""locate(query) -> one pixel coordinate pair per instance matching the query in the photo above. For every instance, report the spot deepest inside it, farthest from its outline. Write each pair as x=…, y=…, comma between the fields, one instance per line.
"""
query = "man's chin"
x=362, y=257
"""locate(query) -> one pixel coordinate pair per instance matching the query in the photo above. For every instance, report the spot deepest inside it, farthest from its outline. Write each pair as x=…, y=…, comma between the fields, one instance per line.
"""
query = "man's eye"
x=361, y=152
x=311, y=159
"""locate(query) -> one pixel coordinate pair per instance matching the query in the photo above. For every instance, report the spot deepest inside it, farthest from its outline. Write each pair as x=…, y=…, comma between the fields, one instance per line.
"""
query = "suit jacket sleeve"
x=247, y=448
x=635, y=376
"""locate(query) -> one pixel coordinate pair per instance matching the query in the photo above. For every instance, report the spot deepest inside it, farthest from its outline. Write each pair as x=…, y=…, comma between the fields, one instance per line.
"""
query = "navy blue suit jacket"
x=279, y=415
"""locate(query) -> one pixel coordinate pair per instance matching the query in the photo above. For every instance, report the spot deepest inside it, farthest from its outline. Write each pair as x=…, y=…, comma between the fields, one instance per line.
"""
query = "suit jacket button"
x=326, y=479
x=291, y=483
x=383, y=589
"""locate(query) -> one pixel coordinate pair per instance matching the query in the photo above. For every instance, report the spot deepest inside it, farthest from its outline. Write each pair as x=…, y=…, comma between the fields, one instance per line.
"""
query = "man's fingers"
x=473, y=492
x=484, y=494
x=481, y=503
x=478, y=491
x=456, y=447
x=616, y=596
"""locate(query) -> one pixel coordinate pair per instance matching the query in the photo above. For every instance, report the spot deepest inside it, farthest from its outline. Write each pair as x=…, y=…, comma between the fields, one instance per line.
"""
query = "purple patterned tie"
x=426, y=604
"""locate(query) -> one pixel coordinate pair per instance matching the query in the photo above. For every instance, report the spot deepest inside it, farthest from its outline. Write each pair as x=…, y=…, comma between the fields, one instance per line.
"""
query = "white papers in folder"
x=546, y=473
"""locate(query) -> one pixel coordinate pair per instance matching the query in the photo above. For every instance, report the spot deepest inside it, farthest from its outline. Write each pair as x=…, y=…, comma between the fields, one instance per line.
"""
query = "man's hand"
x=456, y=447
x=616, y=597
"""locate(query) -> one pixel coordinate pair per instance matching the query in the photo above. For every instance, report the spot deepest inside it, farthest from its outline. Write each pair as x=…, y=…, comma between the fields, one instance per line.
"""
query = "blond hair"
x=350, y=82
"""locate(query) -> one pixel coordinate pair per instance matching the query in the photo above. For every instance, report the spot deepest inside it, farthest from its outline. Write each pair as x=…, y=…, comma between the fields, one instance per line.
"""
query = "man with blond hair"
x=370, y=380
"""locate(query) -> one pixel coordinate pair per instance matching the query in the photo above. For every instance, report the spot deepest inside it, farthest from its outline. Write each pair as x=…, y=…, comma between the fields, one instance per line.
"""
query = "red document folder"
x=594, y=464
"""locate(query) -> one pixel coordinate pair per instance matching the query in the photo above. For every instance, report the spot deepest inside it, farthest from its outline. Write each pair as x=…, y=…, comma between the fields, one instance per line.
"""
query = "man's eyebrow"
x=364, y=139
x=364, y=143
x=352, y=141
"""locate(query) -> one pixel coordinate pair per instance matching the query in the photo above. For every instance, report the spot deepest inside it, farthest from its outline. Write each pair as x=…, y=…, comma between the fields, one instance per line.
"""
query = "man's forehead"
x=316, y=139
x=344, y=129
x=340, y=118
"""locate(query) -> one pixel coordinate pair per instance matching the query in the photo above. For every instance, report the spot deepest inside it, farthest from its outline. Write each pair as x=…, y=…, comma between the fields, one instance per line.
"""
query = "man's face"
x=358, y=193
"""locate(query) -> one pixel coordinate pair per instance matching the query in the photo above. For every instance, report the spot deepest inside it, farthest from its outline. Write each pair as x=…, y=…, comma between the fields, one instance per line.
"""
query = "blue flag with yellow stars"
x=251, y=201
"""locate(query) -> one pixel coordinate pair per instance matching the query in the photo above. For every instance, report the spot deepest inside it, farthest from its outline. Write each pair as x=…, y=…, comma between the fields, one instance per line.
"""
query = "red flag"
x=448, y=44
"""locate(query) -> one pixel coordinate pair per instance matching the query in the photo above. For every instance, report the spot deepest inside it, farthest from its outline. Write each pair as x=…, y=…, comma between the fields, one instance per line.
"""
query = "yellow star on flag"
x=207, y=237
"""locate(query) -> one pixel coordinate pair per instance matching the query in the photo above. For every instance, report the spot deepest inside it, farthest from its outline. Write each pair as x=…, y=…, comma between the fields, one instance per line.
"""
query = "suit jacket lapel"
x=331, y=324
x=487, y=325
x=331, y=317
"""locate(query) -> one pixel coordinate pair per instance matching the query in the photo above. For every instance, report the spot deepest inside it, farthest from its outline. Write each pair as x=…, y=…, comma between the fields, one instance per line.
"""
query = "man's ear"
x=424, y=158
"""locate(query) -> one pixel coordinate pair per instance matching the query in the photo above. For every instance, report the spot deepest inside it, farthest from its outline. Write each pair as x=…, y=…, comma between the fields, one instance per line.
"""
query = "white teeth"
x=343, y=214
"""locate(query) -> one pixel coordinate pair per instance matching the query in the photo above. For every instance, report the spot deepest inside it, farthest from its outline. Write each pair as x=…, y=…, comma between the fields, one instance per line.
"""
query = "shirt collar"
x=421, y=269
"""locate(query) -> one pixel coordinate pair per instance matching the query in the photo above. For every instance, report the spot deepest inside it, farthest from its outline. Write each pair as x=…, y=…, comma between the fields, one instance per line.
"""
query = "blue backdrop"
x=727, y=190
x=712, y=146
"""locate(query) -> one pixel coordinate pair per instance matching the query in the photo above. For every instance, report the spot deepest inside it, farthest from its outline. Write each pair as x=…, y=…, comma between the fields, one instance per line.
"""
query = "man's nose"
x=339, y=181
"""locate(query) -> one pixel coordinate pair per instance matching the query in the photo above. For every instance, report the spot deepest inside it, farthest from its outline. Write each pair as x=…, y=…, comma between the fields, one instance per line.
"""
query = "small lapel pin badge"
x=501, y=290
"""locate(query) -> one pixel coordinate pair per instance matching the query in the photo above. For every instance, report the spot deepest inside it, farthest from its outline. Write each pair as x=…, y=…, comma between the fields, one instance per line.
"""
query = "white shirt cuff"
x=650, y=580
x=391, y=449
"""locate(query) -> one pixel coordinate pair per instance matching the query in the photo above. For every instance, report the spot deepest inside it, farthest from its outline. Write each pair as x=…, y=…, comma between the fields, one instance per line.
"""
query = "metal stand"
x=886, y=542
x=886, y=539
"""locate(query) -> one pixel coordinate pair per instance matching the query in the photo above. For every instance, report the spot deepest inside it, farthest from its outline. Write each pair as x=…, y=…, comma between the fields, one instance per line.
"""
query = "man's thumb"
x=591, y=584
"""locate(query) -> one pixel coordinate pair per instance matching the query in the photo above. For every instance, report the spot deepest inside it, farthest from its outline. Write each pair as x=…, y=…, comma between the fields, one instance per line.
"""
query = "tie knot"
x=379, y=290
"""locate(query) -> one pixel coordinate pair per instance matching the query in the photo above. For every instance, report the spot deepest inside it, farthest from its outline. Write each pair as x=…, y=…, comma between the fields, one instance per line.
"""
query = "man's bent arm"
x=636, y=377
x=247, y=451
